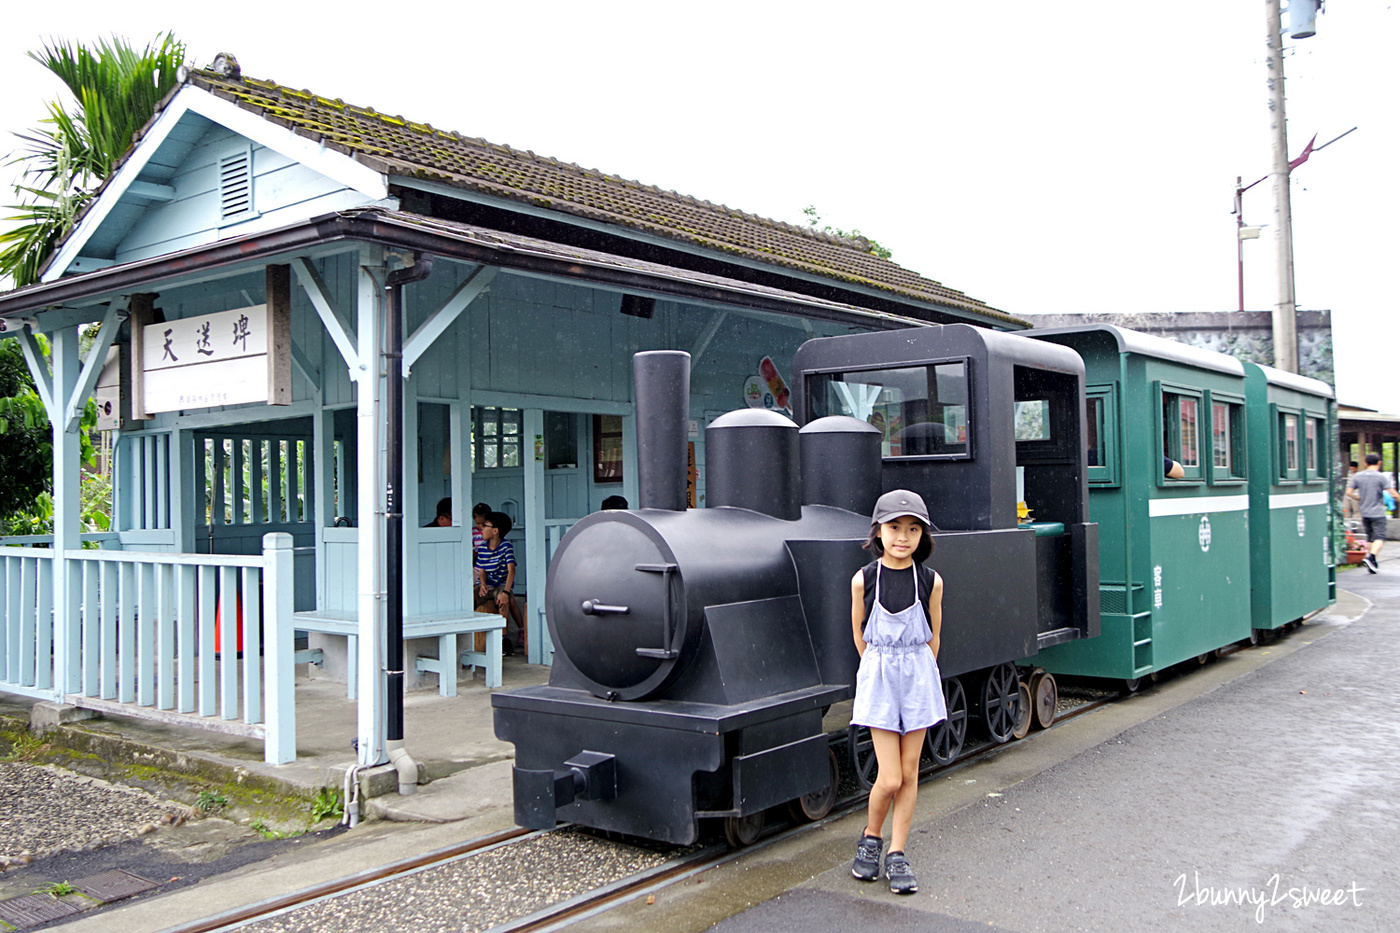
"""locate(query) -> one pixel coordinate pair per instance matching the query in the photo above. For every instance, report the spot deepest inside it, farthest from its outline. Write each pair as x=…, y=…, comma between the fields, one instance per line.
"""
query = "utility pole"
x=1285, y=317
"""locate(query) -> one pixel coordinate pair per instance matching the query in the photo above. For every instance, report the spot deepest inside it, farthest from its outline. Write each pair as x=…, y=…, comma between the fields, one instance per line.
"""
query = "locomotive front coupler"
x=539, y=794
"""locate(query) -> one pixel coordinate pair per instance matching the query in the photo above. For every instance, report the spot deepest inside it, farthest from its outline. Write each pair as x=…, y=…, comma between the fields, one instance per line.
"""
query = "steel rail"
x=611, y=895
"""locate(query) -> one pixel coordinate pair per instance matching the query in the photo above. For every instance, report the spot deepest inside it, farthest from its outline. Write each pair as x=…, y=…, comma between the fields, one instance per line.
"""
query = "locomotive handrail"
x=591, y=607
x=665, y=652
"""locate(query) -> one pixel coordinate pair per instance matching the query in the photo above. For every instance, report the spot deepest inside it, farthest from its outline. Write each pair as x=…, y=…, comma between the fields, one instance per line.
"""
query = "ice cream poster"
x=768, y=389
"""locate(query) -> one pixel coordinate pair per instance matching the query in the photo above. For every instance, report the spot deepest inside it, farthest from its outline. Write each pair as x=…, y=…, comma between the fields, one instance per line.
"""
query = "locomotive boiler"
x=687, y=680
x=697, y=651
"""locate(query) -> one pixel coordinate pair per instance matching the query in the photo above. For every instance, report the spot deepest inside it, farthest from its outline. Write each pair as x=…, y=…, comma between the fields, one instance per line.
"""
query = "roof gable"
x=147, y=174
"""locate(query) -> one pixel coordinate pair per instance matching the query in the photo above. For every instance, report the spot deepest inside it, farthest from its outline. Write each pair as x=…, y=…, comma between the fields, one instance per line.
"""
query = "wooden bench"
x=444, y=627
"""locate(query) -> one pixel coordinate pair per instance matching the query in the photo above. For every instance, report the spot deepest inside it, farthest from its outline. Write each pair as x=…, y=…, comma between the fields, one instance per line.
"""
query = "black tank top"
x=896, y=587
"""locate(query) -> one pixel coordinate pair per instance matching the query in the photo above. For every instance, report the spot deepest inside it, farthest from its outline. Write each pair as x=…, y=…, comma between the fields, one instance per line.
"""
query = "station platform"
x=452, y=738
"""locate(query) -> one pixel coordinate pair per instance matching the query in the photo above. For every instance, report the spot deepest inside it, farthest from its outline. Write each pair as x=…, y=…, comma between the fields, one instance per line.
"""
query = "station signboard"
x=209, y=360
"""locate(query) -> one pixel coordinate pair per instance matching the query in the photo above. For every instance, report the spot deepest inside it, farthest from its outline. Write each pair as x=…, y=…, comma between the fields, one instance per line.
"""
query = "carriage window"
x=1310, y=452
x=1100, y=433
x=920, y=410
x=1319, y=462
x=1181, y=431
x=1288, y=446
x=1226, y=438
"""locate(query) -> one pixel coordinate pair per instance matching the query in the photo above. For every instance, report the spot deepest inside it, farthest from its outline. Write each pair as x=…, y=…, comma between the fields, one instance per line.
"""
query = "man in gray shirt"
x=1368, y=488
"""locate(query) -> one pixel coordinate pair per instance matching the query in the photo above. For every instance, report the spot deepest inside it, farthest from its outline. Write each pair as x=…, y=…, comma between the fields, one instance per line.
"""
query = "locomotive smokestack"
x=662, y=396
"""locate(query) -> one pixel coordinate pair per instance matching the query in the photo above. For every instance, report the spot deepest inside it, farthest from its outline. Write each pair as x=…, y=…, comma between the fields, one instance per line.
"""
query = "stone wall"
x=1245, y=335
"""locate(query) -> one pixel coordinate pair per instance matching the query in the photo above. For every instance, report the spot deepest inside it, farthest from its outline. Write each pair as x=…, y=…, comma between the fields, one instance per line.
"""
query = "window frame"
x=1282, y=474
x=479, y=438
x=1315, y=468
x=816, y=381
x=1238, y=474
x=1105, y=474
x=1170, y=433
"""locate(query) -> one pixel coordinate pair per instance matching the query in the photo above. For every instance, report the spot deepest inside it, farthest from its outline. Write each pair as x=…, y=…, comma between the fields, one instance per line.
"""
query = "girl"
x=899, y=692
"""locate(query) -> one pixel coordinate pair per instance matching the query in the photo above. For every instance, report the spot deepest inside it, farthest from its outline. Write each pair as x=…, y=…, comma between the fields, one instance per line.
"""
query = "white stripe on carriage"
x=1196, y=505
x=1296, y=500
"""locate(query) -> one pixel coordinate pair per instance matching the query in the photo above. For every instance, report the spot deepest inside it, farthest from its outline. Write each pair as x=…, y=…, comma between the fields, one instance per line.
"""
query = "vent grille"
x=236, y=186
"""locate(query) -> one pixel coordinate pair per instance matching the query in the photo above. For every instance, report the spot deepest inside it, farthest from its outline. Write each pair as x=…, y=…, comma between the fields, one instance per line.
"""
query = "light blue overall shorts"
x=898, y=687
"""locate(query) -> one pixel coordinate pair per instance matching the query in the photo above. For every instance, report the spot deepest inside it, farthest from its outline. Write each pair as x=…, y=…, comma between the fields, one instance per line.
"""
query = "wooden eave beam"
x=441, y=319
x=335, y=325
x=97, y=356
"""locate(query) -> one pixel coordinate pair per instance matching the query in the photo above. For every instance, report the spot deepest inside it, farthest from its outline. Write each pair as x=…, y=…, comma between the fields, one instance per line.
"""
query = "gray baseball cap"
x=899, y=502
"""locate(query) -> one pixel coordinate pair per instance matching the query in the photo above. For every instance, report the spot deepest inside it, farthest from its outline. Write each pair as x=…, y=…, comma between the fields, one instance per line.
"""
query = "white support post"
x=67, y=526
x=409, y=497
x=459, y=440
x=370, y=441
x=323, y=461
x=279, y=577
x=534, y=515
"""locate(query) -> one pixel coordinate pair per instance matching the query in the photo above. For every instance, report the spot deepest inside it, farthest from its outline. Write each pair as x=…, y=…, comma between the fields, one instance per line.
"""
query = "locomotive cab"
x=979, y=423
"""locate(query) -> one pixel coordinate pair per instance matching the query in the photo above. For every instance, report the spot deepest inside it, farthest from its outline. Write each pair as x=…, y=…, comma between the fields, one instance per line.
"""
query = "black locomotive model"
x=697, y=651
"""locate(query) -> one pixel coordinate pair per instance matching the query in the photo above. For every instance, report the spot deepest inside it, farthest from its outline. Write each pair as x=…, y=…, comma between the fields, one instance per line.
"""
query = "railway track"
x=670, y=866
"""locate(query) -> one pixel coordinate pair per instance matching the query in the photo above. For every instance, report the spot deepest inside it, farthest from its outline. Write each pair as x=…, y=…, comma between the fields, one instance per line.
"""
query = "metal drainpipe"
x=393, y=507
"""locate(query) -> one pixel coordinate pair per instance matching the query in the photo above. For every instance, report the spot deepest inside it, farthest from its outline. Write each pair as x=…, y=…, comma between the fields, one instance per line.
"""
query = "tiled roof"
x=402, y=147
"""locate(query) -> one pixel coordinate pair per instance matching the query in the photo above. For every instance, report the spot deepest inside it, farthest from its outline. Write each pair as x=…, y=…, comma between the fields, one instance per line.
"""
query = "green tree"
x=874, y=248
x=26, y=454
x=25, y=440
x=115, y=90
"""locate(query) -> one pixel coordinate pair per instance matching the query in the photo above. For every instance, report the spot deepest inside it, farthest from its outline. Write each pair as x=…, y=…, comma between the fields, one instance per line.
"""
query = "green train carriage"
x=1174, y=554
x=1292, y=563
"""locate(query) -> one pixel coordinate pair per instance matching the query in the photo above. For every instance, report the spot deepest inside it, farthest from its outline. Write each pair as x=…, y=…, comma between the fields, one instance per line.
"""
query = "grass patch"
x=327, y=805
x=211, y=801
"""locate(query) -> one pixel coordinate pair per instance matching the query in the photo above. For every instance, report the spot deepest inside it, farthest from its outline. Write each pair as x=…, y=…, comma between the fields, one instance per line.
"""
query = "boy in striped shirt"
x=495, y=576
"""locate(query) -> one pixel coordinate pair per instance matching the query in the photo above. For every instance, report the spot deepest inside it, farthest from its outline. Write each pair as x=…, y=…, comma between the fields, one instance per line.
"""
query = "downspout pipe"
x=393, y=508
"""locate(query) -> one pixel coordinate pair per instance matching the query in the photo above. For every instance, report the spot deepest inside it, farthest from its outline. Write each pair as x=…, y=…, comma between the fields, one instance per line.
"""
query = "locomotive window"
x=920, y=410
x=1033, y=420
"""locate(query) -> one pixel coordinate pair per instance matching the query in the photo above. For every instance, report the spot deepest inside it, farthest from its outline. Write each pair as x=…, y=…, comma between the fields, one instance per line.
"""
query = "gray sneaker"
x=867, y=864
x=901, y=876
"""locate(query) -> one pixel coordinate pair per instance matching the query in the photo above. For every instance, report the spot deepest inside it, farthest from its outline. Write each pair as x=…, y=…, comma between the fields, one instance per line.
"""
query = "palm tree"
x=115, y=91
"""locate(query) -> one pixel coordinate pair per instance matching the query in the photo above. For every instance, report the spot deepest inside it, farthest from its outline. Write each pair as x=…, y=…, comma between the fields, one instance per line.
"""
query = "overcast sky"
x=1042, y=157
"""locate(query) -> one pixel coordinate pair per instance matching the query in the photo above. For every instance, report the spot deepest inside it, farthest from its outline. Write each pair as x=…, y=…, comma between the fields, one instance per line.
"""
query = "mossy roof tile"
x=419, y=150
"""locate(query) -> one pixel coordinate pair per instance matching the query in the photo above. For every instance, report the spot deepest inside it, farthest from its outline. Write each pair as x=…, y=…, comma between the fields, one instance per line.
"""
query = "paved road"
x=1228, y=799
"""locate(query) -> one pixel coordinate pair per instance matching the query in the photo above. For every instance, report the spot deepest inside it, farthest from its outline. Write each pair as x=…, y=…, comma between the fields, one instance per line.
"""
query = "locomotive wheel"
x=1001, y=701
x=863, y=761
x=1024, y=716
x=740, y=831
x=1045, y=698
x=818, y=803
x=1132, y=684
x=945, y=740
x=1203, y=659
